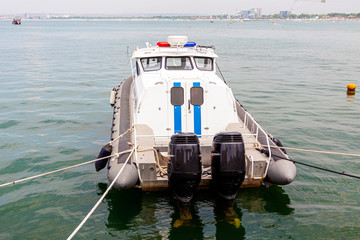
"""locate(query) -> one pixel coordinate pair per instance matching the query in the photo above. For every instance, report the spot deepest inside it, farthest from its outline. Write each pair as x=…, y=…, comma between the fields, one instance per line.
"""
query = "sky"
x=181, y=7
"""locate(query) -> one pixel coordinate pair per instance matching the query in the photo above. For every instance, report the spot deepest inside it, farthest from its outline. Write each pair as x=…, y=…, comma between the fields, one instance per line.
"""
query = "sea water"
x=55, y=82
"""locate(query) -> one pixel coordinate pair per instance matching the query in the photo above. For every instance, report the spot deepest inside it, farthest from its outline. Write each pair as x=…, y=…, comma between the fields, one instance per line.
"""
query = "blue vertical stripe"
x=197, y=115
x=177, y=114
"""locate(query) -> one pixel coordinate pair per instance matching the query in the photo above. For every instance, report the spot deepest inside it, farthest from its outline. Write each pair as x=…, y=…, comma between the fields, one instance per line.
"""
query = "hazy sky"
x=138, y=7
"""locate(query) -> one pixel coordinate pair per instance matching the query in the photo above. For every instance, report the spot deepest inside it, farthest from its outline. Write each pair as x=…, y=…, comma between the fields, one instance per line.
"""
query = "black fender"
x=279, y=144
x=104, y=152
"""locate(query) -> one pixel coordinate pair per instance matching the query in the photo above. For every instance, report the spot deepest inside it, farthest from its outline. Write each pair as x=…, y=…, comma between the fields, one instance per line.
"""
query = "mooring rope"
x=73, y=166
x=120, y=136
x=314, y=151
x=102, y=197
x=310, y=165
x=55, y=171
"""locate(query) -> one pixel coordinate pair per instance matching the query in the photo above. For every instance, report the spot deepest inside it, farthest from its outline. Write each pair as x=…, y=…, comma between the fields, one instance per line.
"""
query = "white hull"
x=173, y=96
x=258, y=165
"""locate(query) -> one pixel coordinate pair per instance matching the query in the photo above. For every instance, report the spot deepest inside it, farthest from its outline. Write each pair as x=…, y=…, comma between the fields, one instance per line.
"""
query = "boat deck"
x=256, y=162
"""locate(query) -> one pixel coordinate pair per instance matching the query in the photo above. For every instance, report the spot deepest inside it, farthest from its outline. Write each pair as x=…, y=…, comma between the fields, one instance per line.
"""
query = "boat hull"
x=144, y=167
x=121, y=145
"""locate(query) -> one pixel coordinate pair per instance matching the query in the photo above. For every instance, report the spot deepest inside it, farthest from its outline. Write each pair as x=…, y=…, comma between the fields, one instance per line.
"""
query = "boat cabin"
x=176, y=82
x=16, y=21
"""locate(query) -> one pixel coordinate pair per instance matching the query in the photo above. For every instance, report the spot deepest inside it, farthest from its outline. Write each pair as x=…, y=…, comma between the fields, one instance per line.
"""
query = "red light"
x=163, y=44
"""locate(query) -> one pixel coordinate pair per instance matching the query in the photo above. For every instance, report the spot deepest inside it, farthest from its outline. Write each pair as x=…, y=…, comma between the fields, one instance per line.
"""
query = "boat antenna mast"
x=222, y=76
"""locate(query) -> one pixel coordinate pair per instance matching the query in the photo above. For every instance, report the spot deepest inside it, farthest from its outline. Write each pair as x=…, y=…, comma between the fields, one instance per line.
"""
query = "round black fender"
x=279, y=144
x=104, y=152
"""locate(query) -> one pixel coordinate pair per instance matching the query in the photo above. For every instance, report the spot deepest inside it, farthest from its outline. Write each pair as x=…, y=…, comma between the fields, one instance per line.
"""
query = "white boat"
x=177, y=125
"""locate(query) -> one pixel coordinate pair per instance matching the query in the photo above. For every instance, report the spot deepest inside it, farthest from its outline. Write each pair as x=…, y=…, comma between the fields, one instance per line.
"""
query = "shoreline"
x=187, y=20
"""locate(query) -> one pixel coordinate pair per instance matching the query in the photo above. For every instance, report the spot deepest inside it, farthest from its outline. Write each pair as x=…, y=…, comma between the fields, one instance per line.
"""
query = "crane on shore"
x=295, y=1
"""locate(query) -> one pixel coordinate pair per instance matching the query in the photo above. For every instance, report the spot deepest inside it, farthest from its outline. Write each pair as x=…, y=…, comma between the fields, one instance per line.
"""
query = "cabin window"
x=204, y=63
x=178, y=63
x=196, y=95
x=151, y=64
x=177, y=96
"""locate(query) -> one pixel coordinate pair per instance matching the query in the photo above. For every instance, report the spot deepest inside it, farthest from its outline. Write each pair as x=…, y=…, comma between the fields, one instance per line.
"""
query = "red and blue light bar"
x=190, y=44
x=163, y=44
x=166, y=44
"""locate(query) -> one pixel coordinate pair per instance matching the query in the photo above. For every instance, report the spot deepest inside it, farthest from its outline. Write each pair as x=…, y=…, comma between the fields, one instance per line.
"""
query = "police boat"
x=177, y=125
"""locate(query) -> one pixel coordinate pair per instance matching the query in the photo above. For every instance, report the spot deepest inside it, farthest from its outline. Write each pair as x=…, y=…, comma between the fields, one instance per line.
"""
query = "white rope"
x=74, y=166
x=55, y=171
x=100, y=200
x=122, y=135
x=316, y=151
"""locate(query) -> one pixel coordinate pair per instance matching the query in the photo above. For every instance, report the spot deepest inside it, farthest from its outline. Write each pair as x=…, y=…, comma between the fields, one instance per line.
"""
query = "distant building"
x=252, y=13
x=285, y=13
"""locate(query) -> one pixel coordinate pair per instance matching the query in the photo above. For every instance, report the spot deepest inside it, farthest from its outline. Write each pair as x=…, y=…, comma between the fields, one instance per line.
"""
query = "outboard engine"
x=184, y=166
x=228, y=164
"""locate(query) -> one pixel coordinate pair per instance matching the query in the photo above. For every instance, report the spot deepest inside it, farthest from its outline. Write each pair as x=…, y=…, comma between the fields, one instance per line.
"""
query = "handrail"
x=202, y=135
x=133, y=69
x=258, y=127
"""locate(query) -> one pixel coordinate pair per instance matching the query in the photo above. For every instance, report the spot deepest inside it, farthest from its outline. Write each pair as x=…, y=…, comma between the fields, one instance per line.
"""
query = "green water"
x=55, y=81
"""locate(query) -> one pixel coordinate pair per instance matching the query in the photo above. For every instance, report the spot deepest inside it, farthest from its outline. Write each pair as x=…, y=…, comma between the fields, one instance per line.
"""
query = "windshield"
x=204, y=63
x=178, y=63
x=151, y=64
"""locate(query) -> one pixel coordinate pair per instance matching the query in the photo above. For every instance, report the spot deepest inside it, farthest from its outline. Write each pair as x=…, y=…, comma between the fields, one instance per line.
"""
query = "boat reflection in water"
x=265, y=200
x=228, y=222
x=190, y=228
x=139, y=214
x=123, y=206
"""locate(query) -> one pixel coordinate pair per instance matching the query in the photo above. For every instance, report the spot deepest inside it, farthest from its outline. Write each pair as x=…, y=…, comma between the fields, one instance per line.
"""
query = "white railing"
x=256, y=134
x=133, y=69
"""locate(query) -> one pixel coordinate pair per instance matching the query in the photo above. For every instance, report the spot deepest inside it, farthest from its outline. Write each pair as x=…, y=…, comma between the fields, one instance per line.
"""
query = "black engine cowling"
x=228, y=164
x=184, y=166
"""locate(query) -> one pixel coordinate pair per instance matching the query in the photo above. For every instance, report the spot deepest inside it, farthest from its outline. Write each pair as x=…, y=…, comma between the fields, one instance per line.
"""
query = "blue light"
x=190, y=44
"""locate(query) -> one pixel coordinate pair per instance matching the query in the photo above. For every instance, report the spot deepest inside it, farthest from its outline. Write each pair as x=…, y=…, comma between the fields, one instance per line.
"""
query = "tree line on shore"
x=274, y=16
x=310, y=16
x=221, y=16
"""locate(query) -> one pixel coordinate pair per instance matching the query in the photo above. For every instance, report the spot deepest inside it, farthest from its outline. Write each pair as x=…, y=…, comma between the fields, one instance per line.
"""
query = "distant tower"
x=285, y=13
x=258, y=12
x=253, y=13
